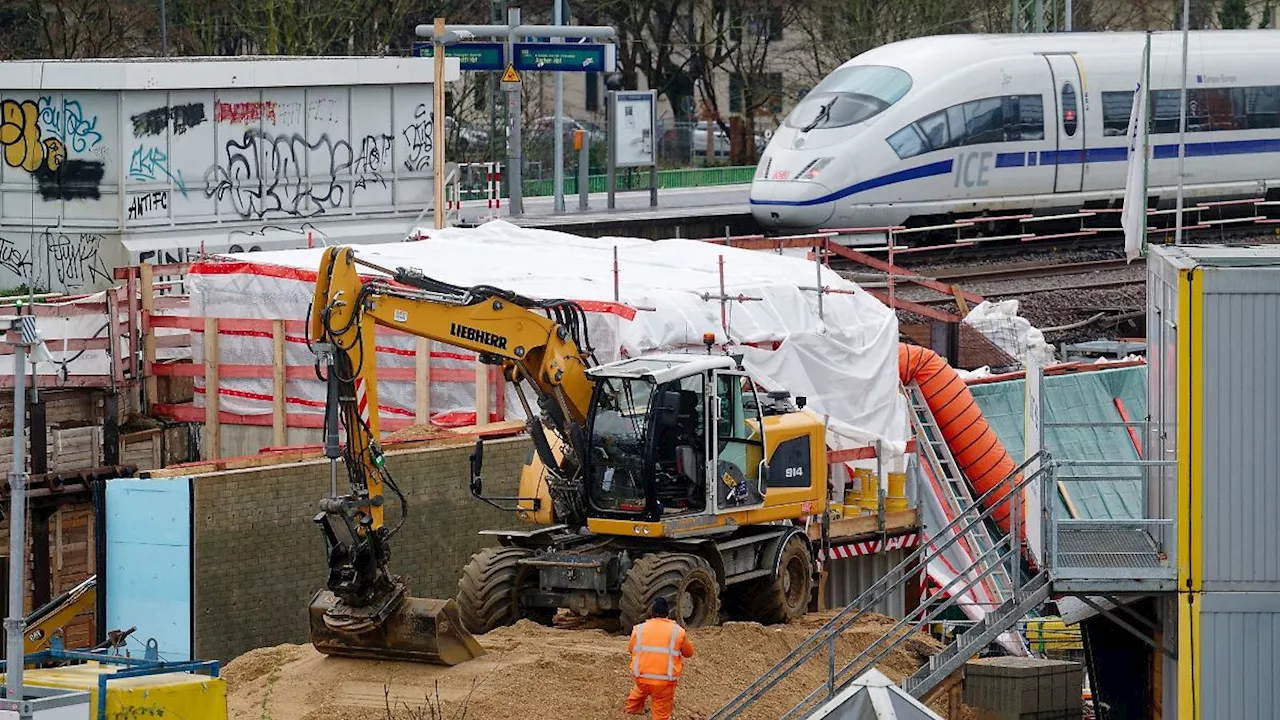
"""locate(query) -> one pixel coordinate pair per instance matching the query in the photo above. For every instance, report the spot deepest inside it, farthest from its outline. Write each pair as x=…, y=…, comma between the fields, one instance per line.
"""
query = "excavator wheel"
x=489, y=590
x=687, y=581
x=784, y=597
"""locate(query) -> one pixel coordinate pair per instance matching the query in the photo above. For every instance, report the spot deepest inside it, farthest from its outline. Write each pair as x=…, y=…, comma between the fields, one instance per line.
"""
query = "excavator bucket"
x=411, y=629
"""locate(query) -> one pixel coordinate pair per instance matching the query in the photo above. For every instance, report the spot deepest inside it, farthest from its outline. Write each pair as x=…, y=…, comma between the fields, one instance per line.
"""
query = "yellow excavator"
x=659, y=476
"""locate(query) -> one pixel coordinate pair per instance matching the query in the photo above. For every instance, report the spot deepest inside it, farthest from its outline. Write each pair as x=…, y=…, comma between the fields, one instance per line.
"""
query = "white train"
x=924, y=130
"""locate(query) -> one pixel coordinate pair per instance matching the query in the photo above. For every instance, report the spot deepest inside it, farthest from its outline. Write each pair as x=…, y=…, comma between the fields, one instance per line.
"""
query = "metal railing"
x=828, y=635
x=1118, y=548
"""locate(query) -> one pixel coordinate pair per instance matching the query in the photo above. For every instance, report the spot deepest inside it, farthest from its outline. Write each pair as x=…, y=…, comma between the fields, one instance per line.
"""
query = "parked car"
x=721, y=141
x=544, y=127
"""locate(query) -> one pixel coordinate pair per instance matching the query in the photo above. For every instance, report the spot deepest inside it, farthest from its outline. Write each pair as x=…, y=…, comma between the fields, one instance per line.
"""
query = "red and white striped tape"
x=871, y=547
x=362, y=401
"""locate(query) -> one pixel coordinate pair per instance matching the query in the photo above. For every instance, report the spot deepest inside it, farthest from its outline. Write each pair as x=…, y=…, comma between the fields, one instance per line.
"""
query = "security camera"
x=613, y=81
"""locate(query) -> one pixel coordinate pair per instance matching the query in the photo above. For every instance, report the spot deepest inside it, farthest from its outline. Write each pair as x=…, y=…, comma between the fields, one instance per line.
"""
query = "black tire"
x=489, y=590
x=686, y=581
x=784, y=597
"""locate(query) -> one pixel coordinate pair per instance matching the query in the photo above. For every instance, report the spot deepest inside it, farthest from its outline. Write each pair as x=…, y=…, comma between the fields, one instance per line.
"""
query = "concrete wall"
x=259, y=557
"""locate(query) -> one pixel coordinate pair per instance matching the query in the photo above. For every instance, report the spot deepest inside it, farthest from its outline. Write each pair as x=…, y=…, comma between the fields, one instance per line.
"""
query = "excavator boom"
x=365, y=610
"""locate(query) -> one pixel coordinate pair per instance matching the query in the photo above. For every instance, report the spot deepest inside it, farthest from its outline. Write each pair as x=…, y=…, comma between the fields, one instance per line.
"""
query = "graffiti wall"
x=88, y=177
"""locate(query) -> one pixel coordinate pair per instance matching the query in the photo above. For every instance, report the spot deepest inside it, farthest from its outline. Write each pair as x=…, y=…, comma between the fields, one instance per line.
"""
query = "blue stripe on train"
x=1046, y=157
x=942, y=167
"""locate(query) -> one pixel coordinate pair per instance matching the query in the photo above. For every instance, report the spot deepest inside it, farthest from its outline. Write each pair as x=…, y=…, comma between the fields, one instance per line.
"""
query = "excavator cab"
x=674, y=435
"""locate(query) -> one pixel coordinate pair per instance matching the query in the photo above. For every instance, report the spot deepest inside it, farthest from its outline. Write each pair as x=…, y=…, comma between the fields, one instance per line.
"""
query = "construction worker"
x=658, y=648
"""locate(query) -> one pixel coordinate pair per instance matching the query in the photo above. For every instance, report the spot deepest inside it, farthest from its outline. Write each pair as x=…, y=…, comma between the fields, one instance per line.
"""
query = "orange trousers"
x=663, y=693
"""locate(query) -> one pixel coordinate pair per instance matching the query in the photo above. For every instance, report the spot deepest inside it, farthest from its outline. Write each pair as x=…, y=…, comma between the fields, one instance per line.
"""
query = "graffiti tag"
x=375, y=155
x=418, y=135
x=265, y=175
x=20, y=137
x=152, y=164
x=69, y=121
x=154, y=122
x=244, y=112
x=142, y=204
x=13, y=257
x=76, y=258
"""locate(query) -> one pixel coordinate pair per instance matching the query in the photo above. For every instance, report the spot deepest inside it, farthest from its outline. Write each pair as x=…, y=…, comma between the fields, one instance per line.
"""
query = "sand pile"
x=531, y=671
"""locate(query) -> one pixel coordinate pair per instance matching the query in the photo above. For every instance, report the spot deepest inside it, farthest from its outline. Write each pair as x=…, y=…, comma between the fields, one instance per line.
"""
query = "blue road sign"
x=471, y=55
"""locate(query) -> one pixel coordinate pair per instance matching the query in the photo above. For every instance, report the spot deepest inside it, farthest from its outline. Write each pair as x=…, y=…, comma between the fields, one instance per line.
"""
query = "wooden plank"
x=482, y=394
x=132, y=325
x=278, y=427
x=422, y=382
x=212, y=434
x=852, y=527
x=113, y=342
x=960, y=302
x=917, y=308
x=146, y=288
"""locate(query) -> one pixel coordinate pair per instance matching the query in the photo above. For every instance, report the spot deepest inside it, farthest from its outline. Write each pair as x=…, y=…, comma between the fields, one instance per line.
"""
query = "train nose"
x=791, y=205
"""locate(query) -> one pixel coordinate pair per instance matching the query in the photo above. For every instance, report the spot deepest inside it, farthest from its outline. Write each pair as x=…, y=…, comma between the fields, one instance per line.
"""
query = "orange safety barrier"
x=975, y=447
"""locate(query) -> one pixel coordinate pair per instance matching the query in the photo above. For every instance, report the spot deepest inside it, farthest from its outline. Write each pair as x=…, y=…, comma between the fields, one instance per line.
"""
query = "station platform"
x=685, y=212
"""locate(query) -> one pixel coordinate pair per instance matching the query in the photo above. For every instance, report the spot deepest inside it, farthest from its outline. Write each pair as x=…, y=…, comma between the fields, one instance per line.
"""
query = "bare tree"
x=756, y=84
x=91, y=28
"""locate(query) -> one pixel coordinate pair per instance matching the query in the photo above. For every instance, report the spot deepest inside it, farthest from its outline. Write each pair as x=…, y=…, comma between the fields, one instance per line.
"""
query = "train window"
x=1260, y=107
x=908, y=142
x=983, y=121
x=934, y=128
x=1025, y=117
x=1164, y=111
x=1116, y=109
x=1069, y=119
x=989, y=120
x=850, y=95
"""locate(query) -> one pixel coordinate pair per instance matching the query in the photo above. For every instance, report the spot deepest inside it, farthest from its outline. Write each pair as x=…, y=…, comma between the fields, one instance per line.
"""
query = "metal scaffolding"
x=1035, y=16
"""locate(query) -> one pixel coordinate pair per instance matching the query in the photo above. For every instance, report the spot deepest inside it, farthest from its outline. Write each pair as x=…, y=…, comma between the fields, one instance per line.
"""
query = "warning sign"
x=511, y=77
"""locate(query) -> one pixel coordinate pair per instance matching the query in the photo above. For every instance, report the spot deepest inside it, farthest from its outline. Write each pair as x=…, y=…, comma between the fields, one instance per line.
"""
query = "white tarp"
x=852, y=348
x=1012, y=333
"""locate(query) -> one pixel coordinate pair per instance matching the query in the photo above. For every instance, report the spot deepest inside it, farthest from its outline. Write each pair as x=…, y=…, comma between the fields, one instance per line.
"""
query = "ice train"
x=928, y=130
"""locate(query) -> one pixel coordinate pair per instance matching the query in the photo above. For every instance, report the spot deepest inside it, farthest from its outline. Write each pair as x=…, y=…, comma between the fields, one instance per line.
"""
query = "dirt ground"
x=534, y=672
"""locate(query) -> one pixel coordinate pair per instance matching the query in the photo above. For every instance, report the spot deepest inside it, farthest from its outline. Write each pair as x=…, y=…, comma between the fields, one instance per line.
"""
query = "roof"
x=1189, y=256
x=1083, y=397
x=665, y=367
x=873, y=696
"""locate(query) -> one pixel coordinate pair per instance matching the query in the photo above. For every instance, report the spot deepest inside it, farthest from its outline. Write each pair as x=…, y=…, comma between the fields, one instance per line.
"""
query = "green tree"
x=1233, y=15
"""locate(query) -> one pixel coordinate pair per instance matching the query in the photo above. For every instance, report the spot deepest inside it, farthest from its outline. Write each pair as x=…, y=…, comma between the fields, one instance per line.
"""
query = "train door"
x=1068, y=112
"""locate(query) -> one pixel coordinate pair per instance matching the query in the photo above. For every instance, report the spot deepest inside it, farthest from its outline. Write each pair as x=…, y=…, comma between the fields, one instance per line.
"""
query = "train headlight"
x=813, y=169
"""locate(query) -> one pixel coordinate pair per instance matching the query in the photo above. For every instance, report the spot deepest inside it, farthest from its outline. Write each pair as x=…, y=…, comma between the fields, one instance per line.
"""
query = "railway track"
x=1019, y=292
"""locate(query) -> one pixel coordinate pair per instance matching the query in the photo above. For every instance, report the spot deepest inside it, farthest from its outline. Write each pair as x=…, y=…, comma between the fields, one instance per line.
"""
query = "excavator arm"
x=365, y=609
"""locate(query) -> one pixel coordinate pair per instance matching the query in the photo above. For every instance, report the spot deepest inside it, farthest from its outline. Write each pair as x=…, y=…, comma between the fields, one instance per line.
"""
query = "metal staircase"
x=827, y=637
x=936, y=452
x=1030, y=596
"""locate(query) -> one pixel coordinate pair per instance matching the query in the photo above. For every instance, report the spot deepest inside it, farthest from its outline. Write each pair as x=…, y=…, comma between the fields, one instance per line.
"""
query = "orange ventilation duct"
x=975, y=447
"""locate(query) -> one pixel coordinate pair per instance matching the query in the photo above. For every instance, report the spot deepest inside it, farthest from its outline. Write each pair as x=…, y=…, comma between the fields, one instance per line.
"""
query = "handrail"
x=857, y=608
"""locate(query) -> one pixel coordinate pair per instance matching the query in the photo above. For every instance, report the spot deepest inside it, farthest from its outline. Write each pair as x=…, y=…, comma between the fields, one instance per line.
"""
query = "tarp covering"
x=1084, y=397
x=844, y=360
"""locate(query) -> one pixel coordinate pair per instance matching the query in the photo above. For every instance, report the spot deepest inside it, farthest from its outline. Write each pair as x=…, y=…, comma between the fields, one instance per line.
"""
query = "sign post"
x=519, y=54
x=1036, y=495
x=633, y=120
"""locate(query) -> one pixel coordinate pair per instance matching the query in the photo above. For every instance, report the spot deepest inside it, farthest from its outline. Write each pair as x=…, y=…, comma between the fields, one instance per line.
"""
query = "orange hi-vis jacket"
x=658, y=648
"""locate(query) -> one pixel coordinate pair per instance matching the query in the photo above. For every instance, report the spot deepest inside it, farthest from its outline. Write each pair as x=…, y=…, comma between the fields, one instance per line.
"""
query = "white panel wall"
x=222, y=165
